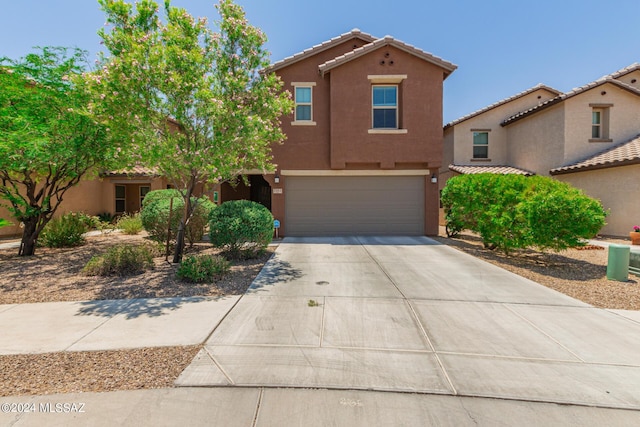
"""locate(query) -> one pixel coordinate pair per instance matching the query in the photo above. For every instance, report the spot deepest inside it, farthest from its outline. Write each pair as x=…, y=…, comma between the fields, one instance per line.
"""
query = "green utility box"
x=618, y=263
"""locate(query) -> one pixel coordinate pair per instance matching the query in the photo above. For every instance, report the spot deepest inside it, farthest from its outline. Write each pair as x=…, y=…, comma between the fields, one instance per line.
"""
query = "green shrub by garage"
x=517, y=212
x=155, y=215
x=241, y=227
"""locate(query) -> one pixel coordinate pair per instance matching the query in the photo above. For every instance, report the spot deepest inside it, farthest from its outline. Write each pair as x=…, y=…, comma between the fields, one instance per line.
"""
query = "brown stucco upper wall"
x=420, y=111
x=538, y=145
x=307, y=147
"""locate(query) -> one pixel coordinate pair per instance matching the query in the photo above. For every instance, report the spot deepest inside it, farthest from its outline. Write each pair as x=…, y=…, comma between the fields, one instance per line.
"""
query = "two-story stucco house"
x=587, y=137
x=364, y=144
x=363, y=148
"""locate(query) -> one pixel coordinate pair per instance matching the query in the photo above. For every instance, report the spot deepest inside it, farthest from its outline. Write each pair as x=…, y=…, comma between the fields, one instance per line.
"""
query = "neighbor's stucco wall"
x=617, y=189
x=536, y=143
x=624, y=120
x=632, y=79
x=498, y=136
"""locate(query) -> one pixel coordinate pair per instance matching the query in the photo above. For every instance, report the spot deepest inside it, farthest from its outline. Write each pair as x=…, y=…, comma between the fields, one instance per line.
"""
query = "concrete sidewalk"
x=109, y=324
x=273, y=407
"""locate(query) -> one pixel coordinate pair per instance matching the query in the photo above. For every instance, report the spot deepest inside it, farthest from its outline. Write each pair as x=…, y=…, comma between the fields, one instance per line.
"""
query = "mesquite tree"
x=193, y=99
x=48, y=139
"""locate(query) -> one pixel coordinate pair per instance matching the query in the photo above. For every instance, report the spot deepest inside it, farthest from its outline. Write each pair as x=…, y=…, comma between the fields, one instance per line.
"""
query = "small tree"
x=195, y=99
x=48, y=139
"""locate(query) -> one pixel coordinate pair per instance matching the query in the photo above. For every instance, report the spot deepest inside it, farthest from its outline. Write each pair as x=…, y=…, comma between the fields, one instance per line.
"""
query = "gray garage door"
x=333, y=206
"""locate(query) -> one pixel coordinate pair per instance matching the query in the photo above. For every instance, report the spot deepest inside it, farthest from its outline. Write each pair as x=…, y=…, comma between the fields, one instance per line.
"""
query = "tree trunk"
x=177, y=255
x=29, y=237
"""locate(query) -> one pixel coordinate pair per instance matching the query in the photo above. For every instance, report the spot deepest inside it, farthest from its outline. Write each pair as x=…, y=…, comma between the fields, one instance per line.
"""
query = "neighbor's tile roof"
x=133, y=171
x=619, y=155
x=497, y=169
x=608, y=79
x=387, y=41
x=319, y=48
x=502, y=102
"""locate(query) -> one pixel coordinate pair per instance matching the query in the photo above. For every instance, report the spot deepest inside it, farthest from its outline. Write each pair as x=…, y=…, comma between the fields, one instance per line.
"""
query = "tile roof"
x=497, y=169
x=387, y=41
x=502, y=102
x=133, y=171
x=608, y=79
x=622, y=154
x=319, y=48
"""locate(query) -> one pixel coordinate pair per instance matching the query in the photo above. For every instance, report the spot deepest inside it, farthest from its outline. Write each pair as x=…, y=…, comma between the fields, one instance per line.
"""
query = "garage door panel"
x=318, y=206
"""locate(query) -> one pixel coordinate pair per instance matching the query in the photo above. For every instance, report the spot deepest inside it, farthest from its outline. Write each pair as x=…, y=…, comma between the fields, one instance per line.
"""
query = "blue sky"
x=501, y=47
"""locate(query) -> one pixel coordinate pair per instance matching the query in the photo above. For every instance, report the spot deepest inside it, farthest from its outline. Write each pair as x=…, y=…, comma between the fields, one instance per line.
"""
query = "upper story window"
x=481, y=145
x=385, y=107
x=600, y=122
x=303, y=98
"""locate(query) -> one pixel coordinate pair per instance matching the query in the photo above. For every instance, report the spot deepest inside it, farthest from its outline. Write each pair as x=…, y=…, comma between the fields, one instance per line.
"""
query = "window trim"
x=296, y=121
x=604, y=110
x=396, y=108
x=473, y=145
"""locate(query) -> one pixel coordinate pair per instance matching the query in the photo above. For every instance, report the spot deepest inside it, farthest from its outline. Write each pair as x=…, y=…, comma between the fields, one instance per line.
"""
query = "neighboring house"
x=363, y=147
x=363, y=143
x=587, y=137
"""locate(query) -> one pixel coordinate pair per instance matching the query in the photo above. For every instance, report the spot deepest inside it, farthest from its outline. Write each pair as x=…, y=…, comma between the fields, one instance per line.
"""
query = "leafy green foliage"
x=203, y=268
x=4, y=223
x=155, y=215
x=65, y=231
x=122, y=260
x=49, y=136
x=512, y=211
x=130, y=224
x=224, y=112
x=241, y=226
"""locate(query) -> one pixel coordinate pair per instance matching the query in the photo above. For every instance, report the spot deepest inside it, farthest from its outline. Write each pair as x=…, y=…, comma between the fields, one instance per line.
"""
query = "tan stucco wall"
x=624, y=120
x=632, y=79
x=617, y=189
x=498, y=150
x=92, y=197
x=536, y=143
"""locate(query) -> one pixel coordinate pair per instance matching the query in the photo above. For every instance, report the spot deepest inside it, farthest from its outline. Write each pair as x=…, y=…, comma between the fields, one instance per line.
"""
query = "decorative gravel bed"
x=87, y=371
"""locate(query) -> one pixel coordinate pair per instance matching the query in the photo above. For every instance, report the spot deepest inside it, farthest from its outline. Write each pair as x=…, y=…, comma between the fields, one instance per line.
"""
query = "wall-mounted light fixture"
x=276, y=179
x=434, y=179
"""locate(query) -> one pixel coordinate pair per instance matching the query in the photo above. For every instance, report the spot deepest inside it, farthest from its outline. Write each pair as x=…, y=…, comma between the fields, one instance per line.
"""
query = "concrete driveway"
x=411, y=315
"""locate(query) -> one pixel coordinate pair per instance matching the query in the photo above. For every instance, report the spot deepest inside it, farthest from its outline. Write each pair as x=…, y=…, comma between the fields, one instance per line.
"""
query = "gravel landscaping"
x=55, y=275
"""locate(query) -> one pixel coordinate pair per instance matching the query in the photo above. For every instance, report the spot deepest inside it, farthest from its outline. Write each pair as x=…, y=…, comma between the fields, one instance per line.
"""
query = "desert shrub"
x=121, y=260
x=130, y=224
x=515, y=212
x=106, y=217
x=156, y=195
x=155, y=215
x=241, y=227
x=65, y=231
x=203, y=268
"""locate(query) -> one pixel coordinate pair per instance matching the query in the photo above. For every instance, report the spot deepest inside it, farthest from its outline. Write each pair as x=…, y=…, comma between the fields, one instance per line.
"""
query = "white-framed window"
x=121, y=198
x=303, y=99
x=144, y=189
x=385, y=106
x=480, y=144
x=600, y=122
